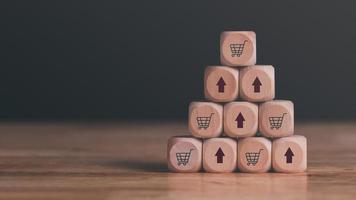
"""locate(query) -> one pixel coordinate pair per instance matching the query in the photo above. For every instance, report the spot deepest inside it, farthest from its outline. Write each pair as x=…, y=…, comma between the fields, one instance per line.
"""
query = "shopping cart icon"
x=253, y=157
x=204, y=122
x=237, y=49
x=183, y=157
x=276, y=122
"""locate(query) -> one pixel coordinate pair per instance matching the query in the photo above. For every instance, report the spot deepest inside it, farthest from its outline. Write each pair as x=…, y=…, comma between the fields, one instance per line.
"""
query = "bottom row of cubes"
x=252, y=154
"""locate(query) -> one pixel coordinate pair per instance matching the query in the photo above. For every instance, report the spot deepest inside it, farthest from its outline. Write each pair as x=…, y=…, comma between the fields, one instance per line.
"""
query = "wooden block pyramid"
x=254, y=134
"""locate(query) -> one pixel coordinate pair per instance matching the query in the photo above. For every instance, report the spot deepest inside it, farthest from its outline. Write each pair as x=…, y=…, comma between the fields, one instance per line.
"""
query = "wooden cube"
x=184, y=154
x=276, y=118
x=238, y=48
x=221, y=84
x=205, y=119
x=289, y=154
x=240, y=119
x=257, y=83
x=219, y=155
x=254, y=154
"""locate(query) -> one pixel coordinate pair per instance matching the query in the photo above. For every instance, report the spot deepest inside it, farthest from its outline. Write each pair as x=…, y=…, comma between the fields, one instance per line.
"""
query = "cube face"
x=257, y=83
x=240, y=119
x=289, y=154
x=205, y=119
x=254, y=154
x=238, y=48
x=184, y=154
x=219, y=155
x=221, y=84
x=276, y=118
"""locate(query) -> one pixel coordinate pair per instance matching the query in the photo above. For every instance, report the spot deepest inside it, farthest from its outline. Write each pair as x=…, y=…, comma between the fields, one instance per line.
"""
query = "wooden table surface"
x=121, y=160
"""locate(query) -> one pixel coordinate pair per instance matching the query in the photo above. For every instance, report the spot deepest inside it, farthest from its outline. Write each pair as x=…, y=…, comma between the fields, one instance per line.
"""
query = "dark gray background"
x=145, y=59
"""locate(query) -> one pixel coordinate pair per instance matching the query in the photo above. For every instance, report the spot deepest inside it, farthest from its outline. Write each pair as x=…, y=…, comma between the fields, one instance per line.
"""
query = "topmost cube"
x=238, y=48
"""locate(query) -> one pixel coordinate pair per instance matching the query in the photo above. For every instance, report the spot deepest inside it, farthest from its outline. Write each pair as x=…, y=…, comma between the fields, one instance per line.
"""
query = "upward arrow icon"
x=257, y=85
x=240, y=120
x=289, y=155
x=221, y=85
x=219, y=156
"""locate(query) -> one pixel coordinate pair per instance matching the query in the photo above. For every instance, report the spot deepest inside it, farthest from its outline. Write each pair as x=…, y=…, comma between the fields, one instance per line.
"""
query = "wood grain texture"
x=221, y=84
x=230, y=45
x=184, y=146
x=247, y=150
x=257, y=83
x=290, y=154
x=205, y=119
x=240, y=119
x=226, y=149
x=276, y=118
x=127, y=161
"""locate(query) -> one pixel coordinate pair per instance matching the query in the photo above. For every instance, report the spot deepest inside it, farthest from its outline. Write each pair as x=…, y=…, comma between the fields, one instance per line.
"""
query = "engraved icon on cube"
x=276, y=122
x=257, y=83
x=240, y=119
x=254, y=154
x=184, y=154
x=204, y=121
x=219, y=155
x=183, y=157
x=221, y=84
x=238, y=48
x=289, y=154
x=253, y=157
x=276, y=118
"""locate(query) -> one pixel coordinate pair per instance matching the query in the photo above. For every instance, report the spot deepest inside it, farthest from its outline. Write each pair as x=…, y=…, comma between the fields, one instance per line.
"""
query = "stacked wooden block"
x=254, y=134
